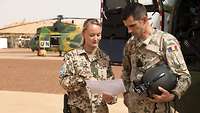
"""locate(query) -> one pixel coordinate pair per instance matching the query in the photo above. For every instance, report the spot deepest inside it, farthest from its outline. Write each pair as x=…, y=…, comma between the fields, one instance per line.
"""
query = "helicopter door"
x=54, y=41
x=114, y=33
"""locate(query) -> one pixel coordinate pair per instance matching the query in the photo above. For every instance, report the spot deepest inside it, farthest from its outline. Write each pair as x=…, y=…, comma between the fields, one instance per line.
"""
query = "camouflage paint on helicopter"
x=60, y=37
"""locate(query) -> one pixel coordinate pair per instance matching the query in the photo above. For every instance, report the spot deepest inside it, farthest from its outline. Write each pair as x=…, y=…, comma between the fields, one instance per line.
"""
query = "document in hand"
x=110, y=87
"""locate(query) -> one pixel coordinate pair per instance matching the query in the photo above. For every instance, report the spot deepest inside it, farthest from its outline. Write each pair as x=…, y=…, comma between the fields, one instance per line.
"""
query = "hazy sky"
x=18, y=10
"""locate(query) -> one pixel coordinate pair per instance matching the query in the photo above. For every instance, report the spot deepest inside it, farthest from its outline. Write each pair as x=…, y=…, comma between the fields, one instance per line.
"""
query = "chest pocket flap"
x=154, y=48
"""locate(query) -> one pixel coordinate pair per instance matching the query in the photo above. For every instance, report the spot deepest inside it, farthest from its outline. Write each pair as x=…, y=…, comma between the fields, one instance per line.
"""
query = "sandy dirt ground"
x=29, y=83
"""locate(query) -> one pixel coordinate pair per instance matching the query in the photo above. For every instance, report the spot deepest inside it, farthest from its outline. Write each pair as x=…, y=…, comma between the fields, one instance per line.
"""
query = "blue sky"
x=19, y=10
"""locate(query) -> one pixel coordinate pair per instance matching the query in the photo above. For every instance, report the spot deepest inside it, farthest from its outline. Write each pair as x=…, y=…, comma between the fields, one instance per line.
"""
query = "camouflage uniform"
x=77, y=68
x=141, y=55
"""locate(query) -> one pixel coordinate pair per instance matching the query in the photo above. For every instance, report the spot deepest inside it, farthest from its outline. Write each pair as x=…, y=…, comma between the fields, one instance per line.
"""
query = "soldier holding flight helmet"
x=144, y=50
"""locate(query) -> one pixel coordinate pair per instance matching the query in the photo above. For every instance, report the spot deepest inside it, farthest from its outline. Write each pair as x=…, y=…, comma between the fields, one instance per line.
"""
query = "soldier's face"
x=135, y=27
x=92, y=36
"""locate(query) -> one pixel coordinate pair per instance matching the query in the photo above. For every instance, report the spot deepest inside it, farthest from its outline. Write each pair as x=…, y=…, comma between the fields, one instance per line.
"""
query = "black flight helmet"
x=159, y=75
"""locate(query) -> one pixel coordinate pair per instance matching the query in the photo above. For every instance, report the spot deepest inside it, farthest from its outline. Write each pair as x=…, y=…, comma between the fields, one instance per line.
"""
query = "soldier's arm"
x=126, y=69
x=110, y=74
x=69, y=80
x=177, y=64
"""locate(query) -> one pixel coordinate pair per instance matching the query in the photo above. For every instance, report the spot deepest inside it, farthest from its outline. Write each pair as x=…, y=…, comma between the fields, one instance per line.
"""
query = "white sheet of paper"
x=110, y=87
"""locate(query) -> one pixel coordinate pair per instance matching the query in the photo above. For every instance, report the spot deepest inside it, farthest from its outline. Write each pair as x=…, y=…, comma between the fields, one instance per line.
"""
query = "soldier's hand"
x=166, y=96
x=72, y=84
x=108, y=98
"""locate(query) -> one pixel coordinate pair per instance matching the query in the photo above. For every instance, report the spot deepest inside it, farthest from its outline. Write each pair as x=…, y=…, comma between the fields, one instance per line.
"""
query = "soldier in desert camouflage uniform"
x=146, y=48
x=86, y=63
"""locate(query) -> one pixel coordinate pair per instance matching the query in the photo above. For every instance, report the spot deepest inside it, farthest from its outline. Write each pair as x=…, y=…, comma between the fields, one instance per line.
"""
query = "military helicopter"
x=60, y=37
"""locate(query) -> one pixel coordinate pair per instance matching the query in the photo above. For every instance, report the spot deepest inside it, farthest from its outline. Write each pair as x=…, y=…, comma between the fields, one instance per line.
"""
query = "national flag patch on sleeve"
x=172, y=48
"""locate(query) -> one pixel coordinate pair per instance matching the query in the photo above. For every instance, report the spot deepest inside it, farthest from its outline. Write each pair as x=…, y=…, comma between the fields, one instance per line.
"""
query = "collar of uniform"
x=146, y=42
x=81, y=50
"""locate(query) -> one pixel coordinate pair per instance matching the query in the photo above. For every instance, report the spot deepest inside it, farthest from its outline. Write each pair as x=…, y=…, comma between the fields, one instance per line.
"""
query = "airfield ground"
x=29, y=83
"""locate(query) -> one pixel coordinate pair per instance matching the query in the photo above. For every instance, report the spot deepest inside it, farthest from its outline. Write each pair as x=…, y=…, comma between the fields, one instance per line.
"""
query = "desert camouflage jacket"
x=141, y=55
x=77, y=68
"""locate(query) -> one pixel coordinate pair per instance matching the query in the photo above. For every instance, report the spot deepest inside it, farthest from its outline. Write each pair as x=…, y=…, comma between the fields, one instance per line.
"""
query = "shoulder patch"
x=172, y=48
